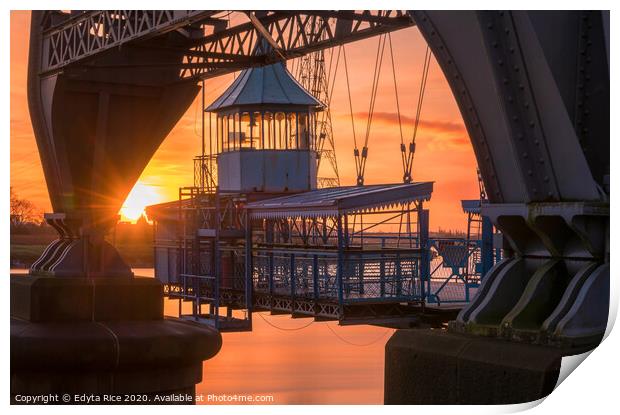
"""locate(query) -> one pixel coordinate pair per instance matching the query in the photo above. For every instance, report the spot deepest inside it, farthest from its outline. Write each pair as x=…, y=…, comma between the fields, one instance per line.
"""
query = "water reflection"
x=295, y=361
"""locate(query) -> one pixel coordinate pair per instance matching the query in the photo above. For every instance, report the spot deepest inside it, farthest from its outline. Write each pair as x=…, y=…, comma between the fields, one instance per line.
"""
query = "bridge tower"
x=81, y=321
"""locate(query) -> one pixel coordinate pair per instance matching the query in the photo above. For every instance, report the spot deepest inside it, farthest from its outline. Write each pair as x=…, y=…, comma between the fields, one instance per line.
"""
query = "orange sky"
x=443, y=154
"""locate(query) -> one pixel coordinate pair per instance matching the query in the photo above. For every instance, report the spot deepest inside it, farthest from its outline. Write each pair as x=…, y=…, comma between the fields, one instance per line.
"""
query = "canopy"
x=333, y=201
x=265, y=85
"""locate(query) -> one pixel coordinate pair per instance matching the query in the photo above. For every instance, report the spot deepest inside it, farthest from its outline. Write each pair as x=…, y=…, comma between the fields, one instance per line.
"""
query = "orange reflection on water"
x=310, y=365
x=306, y=366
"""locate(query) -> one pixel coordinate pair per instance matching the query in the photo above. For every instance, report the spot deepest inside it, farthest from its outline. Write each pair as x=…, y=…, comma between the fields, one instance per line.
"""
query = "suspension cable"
x=346, y=72
x=331, y=79
x=410, y=154
x=400, y=124
x=360, y=158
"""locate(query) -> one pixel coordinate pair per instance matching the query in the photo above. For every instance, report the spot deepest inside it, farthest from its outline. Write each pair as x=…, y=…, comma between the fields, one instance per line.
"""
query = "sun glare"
x=141, y=195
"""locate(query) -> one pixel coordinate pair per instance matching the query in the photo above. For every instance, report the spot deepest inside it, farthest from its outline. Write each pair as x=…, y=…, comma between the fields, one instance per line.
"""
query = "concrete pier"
x=427, y=367
x=105, y=336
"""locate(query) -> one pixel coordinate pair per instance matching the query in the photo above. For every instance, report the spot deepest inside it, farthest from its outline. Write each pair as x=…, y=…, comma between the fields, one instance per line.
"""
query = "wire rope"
x=427, y=59
x=346, y=71
x=409, y=155
x=284, y=328
x=361, y=158
x=358, y=344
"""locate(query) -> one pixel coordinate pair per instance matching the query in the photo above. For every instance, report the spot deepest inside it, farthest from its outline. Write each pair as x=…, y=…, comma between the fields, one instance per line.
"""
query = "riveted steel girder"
x=518, y=108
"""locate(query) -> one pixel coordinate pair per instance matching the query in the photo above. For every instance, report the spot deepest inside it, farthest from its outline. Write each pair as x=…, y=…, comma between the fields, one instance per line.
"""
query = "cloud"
x=435, y=135
x=433, y=125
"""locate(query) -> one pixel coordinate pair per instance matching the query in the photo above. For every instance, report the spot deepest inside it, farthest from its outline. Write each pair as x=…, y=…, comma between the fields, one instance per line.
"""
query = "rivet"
x=524, y=155
x=529, y=172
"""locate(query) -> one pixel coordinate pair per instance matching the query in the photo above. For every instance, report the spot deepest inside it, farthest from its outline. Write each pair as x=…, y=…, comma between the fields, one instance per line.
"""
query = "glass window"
x=268, y=130
x=304, y=136
x=292, y=131
x=280, y=130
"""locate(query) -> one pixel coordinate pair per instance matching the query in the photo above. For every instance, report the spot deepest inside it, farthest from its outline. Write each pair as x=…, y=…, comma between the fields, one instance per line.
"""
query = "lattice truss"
x=211, y=45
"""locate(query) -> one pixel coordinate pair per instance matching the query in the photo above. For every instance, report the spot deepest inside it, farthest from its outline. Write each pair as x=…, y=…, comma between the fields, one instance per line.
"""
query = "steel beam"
x=527, y=83
x=91, y=34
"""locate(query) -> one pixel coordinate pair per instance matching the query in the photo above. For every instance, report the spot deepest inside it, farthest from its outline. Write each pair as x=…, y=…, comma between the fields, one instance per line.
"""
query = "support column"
x=425, y=265
x=340, y=267
x=486, y=248
x=249, y=266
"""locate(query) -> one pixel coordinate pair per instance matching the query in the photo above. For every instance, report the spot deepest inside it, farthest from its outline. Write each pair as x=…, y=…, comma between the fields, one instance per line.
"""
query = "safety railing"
x=455, y=270
x=364, y=276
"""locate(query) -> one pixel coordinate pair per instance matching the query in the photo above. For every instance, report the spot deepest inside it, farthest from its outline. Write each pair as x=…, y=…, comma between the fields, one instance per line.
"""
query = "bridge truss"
x=211, y=45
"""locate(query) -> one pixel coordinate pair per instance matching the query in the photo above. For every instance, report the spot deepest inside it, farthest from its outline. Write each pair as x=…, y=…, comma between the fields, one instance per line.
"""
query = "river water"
x=296, y=361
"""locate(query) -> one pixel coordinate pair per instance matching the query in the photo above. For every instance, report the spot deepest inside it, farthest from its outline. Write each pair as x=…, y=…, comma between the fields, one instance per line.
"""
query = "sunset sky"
x=443, y=154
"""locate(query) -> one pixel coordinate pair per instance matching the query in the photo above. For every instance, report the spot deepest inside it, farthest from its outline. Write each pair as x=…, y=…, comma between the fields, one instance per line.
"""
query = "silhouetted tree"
x=22, y=210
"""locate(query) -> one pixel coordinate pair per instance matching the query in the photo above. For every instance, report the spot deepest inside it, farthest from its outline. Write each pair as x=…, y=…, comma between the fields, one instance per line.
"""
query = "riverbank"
x=25, y=249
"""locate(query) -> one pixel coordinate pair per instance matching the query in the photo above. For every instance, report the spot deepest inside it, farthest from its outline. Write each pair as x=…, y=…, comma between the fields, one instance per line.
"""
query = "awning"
x=333, y=201
x=471, y=206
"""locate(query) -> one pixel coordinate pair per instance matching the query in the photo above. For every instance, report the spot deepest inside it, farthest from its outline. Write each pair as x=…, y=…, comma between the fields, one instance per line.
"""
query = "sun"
x=141, y=195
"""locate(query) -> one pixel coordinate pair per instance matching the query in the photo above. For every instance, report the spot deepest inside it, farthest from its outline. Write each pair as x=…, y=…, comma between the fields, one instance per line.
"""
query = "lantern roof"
x=263, y=86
